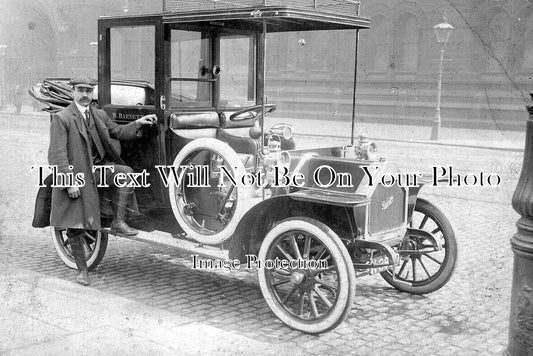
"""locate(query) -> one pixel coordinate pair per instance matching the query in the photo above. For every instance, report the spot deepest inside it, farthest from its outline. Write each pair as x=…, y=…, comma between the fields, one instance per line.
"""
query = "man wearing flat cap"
x=80, y=138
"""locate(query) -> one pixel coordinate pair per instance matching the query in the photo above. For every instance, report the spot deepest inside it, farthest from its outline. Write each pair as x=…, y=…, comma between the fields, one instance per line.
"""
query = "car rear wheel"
x=313, y=298
x=94, y=242
x=424, y=268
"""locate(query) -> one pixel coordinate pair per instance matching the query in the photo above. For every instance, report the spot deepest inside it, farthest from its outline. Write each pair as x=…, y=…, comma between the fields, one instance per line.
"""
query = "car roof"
x=277, y=18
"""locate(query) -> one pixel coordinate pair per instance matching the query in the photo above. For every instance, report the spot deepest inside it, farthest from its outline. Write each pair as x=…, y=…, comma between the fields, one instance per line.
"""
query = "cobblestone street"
x=470, y=315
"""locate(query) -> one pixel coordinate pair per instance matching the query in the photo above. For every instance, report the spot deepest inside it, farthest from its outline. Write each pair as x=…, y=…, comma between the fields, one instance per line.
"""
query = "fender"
x=413, y=192
x=262, y=217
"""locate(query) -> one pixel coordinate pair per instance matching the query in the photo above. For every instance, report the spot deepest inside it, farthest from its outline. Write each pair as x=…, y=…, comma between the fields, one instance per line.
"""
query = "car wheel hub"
x=297, y=277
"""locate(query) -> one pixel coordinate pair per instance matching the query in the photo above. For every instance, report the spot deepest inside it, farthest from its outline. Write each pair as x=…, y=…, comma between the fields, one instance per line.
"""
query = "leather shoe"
x=83, y=278
x=122, y=229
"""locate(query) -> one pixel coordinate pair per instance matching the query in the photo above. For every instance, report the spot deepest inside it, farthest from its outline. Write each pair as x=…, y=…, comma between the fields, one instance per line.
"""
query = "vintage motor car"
x=318, y=219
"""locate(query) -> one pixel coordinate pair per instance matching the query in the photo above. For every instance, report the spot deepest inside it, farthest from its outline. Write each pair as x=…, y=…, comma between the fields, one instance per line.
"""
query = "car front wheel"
x=312, y=298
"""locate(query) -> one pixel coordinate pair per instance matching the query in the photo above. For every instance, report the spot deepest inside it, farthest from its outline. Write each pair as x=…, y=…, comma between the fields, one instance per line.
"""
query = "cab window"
x=132, y=65
x=191, y=82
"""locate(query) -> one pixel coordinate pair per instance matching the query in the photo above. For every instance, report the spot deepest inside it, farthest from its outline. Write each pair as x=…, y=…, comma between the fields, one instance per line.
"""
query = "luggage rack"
x=342, y=7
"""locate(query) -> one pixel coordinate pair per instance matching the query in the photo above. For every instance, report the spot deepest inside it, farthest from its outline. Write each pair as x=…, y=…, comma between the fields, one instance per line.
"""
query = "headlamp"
x=283, y=130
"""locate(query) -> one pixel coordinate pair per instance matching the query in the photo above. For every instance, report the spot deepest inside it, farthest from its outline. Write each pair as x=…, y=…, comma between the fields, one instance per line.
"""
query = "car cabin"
x=204, y=63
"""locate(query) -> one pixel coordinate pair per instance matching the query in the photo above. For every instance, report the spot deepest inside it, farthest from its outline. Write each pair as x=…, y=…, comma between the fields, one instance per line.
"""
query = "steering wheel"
x=254, y=112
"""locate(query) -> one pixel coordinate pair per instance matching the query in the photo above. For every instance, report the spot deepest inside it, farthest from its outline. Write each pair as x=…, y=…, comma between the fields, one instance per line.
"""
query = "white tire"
x=310, y=300
x=95, y=246
x=199, y=210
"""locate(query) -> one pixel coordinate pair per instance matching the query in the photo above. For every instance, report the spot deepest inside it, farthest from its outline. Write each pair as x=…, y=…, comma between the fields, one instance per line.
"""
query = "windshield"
x=195, y=68
x=237, y=71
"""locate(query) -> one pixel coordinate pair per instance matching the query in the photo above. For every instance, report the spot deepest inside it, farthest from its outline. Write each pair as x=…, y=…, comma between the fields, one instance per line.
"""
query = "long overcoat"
x=70, y=151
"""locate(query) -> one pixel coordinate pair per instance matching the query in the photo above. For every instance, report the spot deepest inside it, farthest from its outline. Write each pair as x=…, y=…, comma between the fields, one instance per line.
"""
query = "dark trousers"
x=121, y=195
x=118, y=168
x=76, y=239
x=117, y=191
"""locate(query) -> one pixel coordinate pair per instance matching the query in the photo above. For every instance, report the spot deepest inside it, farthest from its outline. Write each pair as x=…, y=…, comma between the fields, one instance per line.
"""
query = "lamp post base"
x=435, y=128
x=521, y=318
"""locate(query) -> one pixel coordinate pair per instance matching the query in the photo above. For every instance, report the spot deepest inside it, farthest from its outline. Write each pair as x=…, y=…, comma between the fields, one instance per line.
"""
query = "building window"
x=282, y=51
x=499, y=37
x=407, y=44
x=321, y=49
x=527, y=55
x=380, y=43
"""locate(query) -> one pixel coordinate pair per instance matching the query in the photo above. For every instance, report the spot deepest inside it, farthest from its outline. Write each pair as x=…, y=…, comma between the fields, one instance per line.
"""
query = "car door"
x=129, y=75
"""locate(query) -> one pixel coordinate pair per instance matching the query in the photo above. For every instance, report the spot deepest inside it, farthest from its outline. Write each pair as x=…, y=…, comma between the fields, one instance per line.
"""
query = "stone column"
x=521, y=318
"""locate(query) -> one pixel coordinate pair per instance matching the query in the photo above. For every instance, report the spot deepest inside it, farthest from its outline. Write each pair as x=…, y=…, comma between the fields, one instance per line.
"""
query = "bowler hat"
x=82, y=81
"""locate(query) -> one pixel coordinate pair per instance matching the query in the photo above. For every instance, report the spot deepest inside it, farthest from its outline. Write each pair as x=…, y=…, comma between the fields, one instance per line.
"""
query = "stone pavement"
x=47, y=315
x=145, y=298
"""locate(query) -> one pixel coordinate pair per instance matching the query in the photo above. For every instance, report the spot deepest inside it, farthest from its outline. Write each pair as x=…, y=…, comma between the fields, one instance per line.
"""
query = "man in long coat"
x=80, y=139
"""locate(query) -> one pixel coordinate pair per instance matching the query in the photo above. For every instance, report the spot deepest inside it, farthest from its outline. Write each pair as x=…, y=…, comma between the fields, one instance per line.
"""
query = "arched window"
x=527, y=55
x=498, y=39
x=407, y=43
x=380, y=45
x=318, y=50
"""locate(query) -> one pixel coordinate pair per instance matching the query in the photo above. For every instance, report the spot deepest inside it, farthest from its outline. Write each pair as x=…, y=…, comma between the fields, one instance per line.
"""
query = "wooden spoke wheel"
x=94, y=242
x=425, y=267
x=314, y=297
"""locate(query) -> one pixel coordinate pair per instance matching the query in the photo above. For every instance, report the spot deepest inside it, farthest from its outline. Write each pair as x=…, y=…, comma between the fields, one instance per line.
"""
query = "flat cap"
x=82, y=81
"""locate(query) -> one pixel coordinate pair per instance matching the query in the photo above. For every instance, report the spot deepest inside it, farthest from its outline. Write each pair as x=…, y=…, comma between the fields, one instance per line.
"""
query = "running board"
x=164, y=239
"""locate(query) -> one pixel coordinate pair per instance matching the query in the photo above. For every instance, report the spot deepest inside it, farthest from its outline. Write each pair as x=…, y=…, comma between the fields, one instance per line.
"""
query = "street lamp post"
x=443, y=32
x=3, y=49
x=521, y=318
